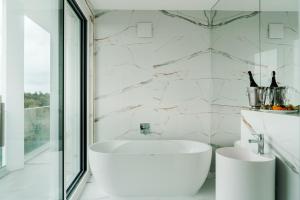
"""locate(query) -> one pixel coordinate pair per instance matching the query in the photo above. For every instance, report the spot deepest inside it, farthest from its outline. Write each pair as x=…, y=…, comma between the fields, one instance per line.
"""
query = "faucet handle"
x=259, y=136
x=260, y=142
x=144, y=126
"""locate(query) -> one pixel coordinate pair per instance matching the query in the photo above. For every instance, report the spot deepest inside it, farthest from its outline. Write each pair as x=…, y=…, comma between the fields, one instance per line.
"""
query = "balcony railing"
x=37, y=128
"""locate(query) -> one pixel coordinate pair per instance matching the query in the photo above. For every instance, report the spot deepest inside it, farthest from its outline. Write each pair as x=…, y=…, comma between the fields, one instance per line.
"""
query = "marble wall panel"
x=189, y=80
x=163, y=80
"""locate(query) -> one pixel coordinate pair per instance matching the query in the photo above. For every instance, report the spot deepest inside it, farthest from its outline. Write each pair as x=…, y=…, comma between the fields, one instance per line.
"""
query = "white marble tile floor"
x=93, y=192
x=38, y=180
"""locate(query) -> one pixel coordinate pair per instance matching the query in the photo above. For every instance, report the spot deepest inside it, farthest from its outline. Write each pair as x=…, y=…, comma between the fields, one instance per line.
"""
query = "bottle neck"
x=252, y=81
x=274, y=83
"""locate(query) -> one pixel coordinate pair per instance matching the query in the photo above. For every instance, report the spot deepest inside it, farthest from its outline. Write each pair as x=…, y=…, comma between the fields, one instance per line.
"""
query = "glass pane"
x=280, y=46
x=30, y=88
x=72, y=95
x=37, y=46
x=2, y=153
x=280, y=39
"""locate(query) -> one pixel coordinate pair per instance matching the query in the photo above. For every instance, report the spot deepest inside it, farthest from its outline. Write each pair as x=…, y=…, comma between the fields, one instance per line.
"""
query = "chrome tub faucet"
x=145, y=128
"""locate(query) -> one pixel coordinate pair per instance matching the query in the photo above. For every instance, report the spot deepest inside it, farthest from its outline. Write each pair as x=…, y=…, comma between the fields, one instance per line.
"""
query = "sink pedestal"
x=243, y=175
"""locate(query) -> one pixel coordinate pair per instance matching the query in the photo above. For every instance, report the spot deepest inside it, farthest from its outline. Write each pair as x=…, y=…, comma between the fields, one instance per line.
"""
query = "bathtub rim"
x=207, y=148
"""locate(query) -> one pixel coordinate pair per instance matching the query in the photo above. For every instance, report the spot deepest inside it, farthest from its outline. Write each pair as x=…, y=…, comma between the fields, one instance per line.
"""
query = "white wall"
x=235, y=50
x=229, y=5
x=235, y=47
x=190, y=95
x=14, y=85
x=163, y=80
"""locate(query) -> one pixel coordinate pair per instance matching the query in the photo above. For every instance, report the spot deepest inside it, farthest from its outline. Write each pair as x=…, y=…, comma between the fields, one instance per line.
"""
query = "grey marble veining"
x=101, y=13
x=235, y=58
x=188, y=57
x=202, y=24
x=243, y=16
x=188, y=80
x=126, y=109
x=128, y=88
x=210, y=17
x=115, y=34
x=215, y=52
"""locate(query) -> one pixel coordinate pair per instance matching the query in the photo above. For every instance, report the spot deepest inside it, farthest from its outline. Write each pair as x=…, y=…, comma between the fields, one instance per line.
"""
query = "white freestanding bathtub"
x=150, y=167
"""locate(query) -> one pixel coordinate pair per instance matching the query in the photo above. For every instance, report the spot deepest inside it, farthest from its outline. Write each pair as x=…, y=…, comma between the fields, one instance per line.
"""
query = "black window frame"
x=83, y=98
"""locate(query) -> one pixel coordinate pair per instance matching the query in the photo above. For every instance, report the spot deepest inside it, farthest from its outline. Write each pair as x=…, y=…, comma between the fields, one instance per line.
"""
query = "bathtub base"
x=152, y=174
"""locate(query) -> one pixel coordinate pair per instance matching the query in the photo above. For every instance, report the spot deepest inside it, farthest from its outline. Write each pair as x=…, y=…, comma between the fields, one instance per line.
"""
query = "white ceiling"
x=242, y=5
x=153, y=4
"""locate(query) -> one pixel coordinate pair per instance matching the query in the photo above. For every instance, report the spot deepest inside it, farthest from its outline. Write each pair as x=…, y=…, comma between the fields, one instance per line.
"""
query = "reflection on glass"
x=72, y=95
x=280, y=47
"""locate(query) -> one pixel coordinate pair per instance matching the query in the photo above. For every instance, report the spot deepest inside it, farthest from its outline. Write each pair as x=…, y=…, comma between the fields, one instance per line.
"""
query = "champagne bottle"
x=273, y=83
x=252, y=81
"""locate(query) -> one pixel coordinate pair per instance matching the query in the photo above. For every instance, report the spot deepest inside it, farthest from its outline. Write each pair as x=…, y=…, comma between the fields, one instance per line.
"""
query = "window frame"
x=83, y=98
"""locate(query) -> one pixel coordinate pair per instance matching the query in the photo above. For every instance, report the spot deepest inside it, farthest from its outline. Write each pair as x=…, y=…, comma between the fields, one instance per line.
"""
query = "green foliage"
x=37, y=99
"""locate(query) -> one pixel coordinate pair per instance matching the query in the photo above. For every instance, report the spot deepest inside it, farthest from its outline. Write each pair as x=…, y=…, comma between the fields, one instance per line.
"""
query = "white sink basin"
x=244, y=175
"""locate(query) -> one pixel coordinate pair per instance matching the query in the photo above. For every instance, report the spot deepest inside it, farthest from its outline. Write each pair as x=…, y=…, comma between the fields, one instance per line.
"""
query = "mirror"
x=279, y=36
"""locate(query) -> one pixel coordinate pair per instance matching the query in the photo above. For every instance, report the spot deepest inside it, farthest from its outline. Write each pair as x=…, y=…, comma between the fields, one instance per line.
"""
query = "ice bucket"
x=256, y=96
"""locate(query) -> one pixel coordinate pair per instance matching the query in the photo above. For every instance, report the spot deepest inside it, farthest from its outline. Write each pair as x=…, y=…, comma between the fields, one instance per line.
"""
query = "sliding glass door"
x=42, y=98
x=31, y=90
x=75, y=95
